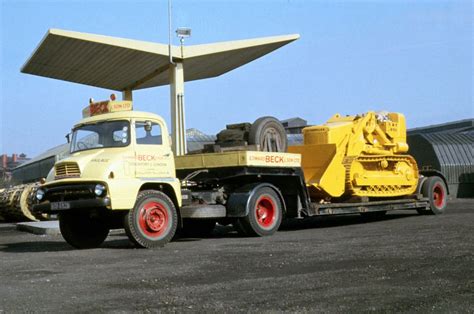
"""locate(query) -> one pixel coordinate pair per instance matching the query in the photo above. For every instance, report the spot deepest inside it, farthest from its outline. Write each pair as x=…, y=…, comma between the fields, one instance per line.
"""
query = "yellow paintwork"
x=237, y=158
x=132, y=166
x=358, y=155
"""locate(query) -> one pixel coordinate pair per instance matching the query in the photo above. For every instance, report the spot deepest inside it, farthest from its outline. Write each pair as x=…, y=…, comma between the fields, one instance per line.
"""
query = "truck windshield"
x=100, y=135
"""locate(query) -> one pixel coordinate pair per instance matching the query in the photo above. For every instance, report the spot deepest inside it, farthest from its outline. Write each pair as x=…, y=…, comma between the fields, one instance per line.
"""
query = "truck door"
x=153, y=156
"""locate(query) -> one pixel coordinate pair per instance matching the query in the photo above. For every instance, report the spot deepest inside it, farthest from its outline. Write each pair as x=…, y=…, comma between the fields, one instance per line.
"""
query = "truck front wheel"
x=82, y=231
x=264, y=216
x=153, y=220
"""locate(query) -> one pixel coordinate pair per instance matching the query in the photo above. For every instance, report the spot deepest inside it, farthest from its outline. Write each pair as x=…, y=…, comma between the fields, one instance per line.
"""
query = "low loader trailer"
x=121, y=173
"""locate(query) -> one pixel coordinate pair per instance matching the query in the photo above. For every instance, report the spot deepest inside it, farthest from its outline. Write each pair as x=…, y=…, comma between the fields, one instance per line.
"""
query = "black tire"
x=435, y=190
x=82, y=231
x=265, y=214
x=373, y=215
x=270, y=134
x=198, y=227
x=152, y=222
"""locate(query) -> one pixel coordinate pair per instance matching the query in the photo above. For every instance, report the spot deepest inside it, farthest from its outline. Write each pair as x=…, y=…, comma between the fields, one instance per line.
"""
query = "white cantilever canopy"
x=126, y=65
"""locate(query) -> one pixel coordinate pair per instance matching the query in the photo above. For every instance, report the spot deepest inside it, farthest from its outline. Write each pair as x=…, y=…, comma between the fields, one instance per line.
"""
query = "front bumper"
x=56, y=207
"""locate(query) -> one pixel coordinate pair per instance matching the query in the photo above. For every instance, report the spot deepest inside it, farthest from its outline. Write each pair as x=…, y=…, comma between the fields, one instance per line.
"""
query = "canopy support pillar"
x=127, y=94
x=178, y=131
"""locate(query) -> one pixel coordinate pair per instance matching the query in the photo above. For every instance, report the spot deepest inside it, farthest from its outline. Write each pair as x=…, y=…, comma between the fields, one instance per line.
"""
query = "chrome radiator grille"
x=67, y=170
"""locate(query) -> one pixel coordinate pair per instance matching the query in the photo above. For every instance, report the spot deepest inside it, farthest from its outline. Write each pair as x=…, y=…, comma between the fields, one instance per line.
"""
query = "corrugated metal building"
x=447, y=148
x=294, y=125
x=38, y=167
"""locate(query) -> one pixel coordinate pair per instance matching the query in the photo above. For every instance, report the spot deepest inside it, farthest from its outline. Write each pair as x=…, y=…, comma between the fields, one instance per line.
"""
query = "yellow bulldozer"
x=358, y=156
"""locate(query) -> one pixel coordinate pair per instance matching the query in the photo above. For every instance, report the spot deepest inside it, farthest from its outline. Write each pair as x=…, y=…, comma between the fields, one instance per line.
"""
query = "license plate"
x=60, y=205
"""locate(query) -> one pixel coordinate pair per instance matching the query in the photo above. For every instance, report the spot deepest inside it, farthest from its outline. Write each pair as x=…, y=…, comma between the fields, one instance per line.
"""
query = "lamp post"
x=169, y=32
x=176, y=79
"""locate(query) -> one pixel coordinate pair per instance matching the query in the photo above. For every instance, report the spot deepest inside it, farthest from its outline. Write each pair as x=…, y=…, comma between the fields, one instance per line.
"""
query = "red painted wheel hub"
x=438, y=195
x=265, y=211
x=153, y=219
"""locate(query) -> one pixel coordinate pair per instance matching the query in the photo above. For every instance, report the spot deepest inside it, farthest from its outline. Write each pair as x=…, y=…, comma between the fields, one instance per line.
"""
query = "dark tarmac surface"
x=402, y=263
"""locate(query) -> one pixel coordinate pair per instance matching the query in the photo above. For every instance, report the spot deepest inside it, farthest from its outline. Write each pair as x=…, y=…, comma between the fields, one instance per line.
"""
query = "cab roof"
x=122, y=115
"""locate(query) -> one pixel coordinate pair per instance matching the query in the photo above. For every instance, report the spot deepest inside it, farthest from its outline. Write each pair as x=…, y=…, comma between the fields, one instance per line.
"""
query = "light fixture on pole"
x=182, y=33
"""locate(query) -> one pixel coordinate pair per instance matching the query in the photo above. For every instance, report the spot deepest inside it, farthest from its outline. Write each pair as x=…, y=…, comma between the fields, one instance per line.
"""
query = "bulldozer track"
x=378, y=190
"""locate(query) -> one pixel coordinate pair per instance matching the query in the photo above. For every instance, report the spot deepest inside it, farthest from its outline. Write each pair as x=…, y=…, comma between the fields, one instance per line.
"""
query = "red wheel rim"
x=153, y=219
x=265, y=211
x=438, y=195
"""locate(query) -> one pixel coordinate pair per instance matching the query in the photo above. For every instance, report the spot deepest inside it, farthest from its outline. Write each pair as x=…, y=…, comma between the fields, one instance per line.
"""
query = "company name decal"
x=149, y=157
x=272, y=159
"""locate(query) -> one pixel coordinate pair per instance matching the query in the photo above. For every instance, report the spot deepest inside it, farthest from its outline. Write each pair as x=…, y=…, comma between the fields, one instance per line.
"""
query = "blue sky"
x=413, y=57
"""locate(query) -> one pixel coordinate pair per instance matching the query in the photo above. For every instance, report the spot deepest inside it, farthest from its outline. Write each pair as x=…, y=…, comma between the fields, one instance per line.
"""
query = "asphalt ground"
x=401, y=263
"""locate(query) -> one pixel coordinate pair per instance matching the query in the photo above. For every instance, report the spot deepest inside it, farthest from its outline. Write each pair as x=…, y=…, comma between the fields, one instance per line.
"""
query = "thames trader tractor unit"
x=122, y=173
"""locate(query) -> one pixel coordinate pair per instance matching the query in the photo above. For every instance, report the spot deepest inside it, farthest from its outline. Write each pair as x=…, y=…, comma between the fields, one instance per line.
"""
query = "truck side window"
x=148, y=133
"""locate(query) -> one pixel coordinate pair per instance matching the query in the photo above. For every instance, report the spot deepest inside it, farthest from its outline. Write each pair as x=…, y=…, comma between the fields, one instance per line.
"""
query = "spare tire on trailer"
x=269, y=134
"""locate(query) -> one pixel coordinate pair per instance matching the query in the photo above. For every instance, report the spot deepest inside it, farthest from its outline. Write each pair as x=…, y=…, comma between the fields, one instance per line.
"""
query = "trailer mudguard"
x=238, y=202
x=430, y=173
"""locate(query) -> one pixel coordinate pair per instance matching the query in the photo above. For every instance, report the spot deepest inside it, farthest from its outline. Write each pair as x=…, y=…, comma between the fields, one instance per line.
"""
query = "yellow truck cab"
x=115, y=153
x=122, y=151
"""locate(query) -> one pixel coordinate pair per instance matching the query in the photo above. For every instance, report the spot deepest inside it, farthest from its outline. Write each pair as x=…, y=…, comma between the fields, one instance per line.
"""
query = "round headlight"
x=39, y=194
x=99, y=190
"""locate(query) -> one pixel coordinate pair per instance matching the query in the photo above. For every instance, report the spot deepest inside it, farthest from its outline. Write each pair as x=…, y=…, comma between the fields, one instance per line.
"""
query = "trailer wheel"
x=198, y=227
x=435, y=190
x=152, y=222
x=82, y=231
x=270, y=134
x=265, y=213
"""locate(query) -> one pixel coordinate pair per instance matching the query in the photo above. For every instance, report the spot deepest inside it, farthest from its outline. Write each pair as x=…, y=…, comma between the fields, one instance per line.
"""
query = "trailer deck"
x=238, y=159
